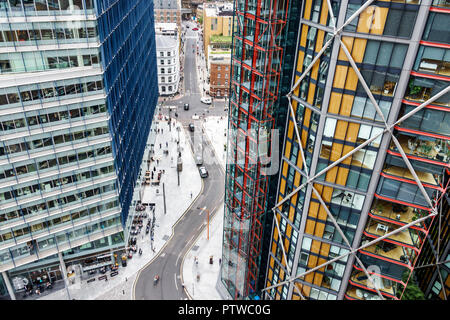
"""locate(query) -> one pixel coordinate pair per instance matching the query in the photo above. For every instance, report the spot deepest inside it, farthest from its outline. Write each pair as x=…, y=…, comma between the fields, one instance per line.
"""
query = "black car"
x=186, y=106
x=191, y=127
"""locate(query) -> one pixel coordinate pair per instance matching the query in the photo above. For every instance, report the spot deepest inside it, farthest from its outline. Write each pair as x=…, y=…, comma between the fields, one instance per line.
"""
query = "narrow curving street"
x=168, y=263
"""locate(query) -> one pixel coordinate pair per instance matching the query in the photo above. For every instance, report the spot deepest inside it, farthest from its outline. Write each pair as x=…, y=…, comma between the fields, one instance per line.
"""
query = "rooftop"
x=219, y=9
x=221, y=39
x=166, y=4
x=165, y=42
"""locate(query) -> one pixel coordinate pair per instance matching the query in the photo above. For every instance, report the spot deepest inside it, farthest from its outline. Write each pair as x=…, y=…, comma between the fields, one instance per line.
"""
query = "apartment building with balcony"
x=344, y=183
x=74, y=120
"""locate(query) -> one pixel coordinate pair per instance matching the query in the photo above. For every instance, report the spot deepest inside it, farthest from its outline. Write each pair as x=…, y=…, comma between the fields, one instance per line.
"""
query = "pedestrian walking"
x=167, y=144
x=160, y=145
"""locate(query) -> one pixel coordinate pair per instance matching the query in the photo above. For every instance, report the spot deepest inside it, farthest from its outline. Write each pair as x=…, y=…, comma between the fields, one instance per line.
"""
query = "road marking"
x=176, y=263
x=175, y=276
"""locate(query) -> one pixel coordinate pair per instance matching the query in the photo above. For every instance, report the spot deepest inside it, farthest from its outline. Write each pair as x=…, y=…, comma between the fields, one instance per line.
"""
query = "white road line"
x=176, y=263
x=175, y=276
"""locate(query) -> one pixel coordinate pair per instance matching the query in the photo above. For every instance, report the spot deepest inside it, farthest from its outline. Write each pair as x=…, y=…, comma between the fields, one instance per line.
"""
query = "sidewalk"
x=202, y=72
x=203, y=249
x=178, y=200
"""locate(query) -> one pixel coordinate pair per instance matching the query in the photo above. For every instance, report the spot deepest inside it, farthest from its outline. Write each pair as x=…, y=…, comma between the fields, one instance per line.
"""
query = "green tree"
x=412, y=290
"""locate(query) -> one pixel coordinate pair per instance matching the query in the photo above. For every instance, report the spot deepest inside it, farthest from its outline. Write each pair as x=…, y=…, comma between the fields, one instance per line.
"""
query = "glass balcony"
x=385, y=286
x=423, y=147
x=355, y=293
x=407, y=237
x=400, y=185
x=421, y=89
x=388, y=252
x=397, y=213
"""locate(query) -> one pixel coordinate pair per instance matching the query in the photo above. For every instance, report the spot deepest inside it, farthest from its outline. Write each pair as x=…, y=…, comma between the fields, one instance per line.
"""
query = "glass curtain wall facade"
x=259, y=48
x=370, y=192
x=74, y=119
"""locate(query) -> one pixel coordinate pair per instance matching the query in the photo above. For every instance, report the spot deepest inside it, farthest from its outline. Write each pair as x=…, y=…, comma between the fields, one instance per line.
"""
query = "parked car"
x=195, y=29
x=206, y=100
x=186, y=106
x=191, y=127
x=203, y=172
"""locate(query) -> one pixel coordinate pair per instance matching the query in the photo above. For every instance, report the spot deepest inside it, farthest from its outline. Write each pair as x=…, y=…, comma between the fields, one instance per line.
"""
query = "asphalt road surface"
x=192, y=94
x=168, y=263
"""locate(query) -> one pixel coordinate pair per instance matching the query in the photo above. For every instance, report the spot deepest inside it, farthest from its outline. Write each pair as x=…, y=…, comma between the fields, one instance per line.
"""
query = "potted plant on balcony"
x=379, y=209
x=378, y=247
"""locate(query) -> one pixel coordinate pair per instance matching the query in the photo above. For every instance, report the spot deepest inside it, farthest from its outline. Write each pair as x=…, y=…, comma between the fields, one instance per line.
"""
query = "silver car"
x=203, y=172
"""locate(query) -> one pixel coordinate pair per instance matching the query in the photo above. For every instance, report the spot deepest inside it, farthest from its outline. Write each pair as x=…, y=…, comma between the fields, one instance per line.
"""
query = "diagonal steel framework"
x=310, y=180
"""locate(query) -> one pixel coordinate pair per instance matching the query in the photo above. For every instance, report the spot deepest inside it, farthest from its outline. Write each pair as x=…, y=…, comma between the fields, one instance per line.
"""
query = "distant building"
x=219, y=66
x=168, y=61
x=217, y=20
x=167, y=11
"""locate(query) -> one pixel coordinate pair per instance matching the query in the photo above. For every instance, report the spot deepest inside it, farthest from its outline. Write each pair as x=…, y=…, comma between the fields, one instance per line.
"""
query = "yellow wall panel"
x=342, y=176
x=275, y=234
x=290, y=132
x=309, y=228
x=297, y=177
x=270, y=273
x=320, y=227
x=319, y=40
x=336, y=151
x=291, y=213
x=359, y=47
x=311, y=91
x=318, y=279
x=352, y=80
x=310, y=276
x=324, y=249
x=287, y=149
x=346, y=105
x=285, y=168
x=365, y=20
x=330, y=176
x=307, y=12
x=348, y=41
x=335, y=102
x=346, y=150
x=288, y=231
x=327, y=193
x=281, y=276
x=282, y=185
x=341, y=129
x=352, y=132
x=324, y=14
x=379, y=20
x=339, y=76
x=323, y=216
x=313, y=208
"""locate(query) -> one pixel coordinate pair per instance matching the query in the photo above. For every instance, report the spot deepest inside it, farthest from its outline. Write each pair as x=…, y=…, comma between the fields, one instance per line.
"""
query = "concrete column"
x=63, y=268
x=8, y=286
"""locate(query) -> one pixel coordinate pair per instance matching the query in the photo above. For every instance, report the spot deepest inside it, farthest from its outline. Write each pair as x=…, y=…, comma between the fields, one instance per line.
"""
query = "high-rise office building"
x=365, y=153
x=264, y=34
x=78, y=89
